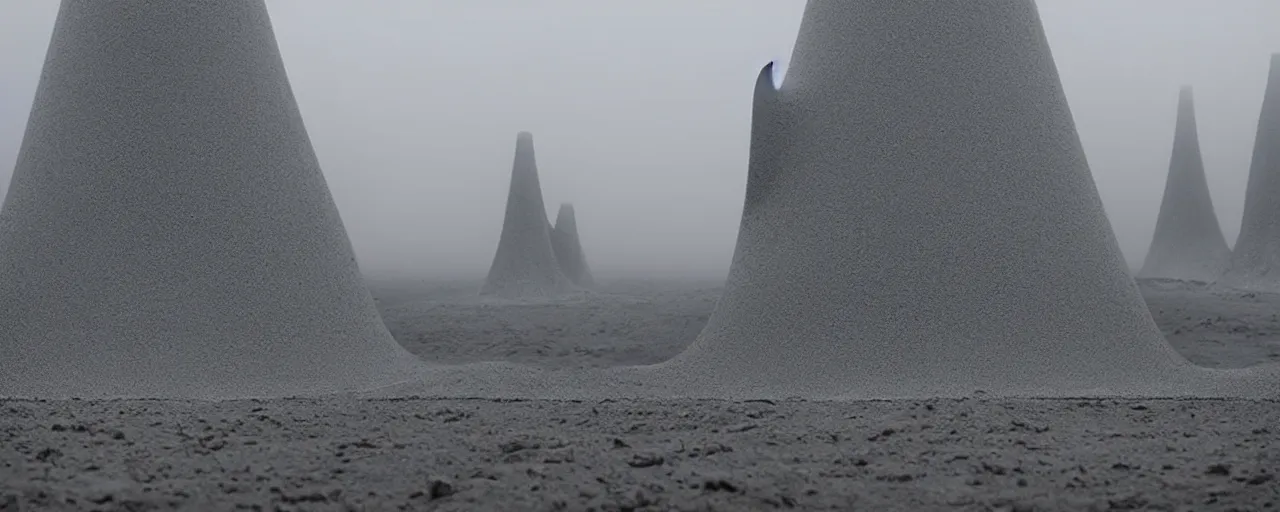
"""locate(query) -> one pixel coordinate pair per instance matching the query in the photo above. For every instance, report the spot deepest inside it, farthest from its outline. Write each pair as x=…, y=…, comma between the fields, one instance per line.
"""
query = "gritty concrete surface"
x=411, y=454
x=415, y=454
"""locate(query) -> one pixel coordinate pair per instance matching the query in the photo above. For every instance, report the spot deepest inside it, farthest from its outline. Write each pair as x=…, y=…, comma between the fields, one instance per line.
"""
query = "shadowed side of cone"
x=525, y=263
x=168, y=231
x=1188, y=242
x=1255, y=259
x=928, y=227
x=568, y=247
x=765, y=115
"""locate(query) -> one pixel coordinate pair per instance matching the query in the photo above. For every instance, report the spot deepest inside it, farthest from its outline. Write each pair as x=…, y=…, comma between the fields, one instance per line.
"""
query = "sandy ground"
x=347, y=454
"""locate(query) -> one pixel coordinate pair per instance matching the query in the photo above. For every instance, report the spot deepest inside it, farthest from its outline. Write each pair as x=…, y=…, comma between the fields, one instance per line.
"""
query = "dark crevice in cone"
x=168, y=231
x=928, y=226
x=765, y=115
x=1188, y=242
x=1255, y=259
x=568, y=248
x=525, y=263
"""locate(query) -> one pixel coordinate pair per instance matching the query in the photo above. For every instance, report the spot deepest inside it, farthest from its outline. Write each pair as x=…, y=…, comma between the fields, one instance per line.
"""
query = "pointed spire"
x=1188, y=242
x=525, y=263
x=931, y=227
x=169, y=231
x=1255, y=259
x=568, y=248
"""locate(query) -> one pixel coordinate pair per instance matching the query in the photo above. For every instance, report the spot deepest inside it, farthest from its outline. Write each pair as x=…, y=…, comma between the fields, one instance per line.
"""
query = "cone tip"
x=776, y=70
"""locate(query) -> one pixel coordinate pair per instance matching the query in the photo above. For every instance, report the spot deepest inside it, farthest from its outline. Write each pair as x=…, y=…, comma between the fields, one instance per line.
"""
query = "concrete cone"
x=168, y=231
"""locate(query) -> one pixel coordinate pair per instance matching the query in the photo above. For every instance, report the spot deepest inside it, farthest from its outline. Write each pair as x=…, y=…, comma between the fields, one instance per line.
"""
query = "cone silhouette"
x=1188, y=242
x=525, y=264
x=568, y=248
x=168, y=231
x=1255, y=259
x=920, y=219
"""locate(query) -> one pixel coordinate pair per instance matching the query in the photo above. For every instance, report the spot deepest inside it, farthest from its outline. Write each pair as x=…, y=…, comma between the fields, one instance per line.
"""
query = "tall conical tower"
x=1188, y=242
x=168, y=231
x=1255, y=259
x=525, y=263
x=568, y=248
x=920, y=219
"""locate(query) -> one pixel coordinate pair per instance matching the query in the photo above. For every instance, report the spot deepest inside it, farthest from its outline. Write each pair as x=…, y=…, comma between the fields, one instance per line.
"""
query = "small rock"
x=48, y=453
x=719, y=484
x=439, y=488
x=1260, y=479
x=645, y=460
x=513, y=446
x=883, y=434
x=1219, y=470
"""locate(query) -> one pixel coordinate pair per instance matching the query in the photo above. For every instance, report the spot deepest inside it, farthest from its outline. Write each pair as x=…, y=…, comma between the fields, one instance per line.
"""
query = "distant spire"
x=568, y=248
x=1255, y=261
x=928, y=228
x=1188, y=242
x=525, y=262
x=169, y=232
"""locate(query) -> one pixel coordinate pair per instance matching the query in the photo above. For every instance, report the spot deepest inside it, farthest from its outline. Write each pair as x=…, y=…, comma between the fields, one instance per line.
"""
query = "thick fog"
x=640, y=113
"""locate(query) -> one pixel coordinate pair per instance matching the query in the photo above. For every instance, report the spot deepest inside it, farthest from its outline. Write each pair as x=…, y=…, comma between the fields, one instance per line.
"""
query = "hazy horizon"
x=640, y=114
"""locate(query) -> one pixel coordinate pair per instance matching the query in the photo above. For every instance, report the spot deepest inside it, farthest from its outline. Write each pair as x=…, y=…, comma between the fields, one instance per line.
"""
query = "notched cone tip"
x=767, y=83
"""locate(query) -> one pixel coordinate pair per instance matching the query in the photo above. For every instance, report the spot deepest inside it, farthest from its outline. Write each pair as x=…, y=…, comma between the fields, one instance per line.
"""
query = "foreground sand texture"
x=1188, y=241
x=525, y=264
x=568, y=248
x=168, y=231
x=336, y=454
x=1255, y=262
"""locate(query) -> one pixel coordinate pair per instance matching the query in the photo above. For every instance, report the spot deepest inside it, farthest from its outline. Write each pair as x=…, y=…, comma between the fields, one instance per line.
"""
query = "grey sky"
x=640, y=113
